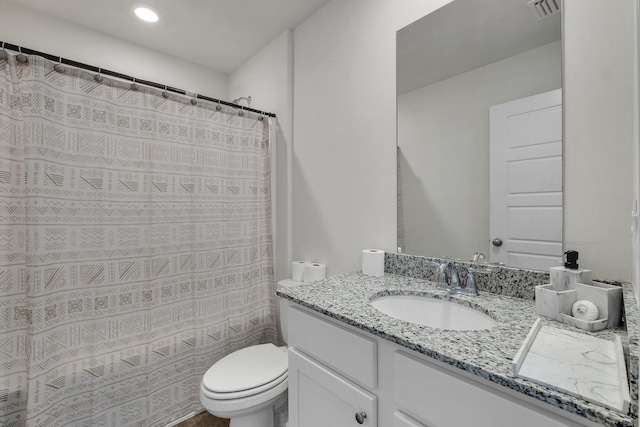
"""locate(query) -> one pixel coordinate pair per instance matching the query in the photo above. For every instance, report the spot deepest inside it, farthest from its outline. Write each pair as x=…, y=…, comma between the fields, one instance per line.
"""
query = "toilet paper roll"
x=297, y=270
x=314, y=271
x=373, y=262
x=585, y=310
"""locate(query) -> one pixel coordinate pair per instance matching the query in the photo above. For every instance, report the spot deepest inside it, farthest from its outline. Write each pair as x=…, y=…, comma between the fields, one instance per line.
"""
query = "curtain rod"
x=121, y=76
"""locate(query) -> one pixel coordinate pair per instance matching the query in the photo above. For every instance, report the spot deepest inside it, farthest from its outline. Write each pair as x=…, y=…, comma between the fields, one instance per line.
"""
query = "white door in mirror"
x=526, y=181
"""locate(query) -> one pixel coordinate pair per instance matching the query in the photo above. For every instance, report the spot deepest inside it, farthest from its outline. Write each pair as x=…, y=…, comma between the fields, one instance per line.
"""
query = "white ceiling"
x=218, y=34
x=467, y=34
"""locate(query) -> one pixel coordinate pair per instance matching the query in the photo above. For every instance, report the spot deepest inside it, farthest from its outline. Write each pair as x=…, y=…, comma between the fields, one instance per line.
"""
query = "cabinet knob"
x=496, y=242
x=360, y=416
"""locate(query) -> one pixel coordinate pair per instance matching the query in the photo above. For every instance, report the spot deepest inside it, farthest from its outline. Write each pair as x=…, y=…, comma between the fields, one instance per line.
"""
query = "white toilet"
x=249, y=386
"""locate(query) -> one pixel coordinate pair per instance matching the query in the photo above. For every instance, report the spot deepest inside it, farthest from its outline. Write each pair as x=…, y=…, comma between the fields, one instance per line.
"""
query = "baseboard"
x=184, y=418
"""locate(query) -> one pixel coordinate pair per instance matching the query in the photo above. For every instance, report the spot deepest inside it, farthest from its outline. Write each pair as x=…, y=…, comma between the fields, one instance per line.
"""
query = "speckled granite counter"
x=486, y=353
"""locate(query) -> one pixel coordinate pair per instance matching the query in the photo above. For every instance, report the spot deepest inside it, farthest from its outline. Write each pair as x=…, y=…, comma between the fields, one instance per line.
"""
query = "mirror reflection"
x=453, y=66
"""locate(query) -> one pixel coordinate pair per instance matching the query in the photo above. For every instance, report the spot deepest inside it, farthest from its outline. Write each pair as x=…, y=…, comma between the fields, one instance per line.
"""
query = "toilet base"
x=263, y=418
x=269, y=413
x=274, y=415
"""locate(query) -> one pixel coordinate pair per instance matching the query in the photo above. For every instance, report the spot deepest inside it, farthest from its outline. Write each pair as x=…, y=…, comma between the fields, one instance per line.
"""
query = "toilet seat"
x=246, y=372
x=244, y=393
x=242, y=407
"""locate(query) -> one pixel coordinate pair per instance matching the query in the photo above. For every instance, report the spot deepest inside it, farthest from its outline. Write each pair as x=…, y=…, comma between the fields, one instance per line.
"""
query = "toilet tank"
x=283, y=305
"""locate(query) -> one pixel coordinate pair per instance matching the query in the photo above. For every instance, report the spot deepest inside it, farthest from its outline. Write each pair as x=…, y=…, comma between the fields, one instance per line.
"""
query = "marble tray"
x=590, y=326
x=582, y=365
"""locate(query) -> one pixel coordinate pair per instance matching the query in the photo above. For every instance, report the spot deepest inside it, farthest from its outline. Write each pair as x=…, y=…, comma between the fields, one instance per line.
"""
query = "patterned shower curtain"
x=135, y=247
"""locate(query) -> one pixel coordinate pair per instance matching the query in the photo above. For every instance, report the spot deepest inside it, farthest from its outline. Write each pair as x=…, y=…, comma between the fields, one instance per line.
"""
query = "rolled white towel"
x=585, y=310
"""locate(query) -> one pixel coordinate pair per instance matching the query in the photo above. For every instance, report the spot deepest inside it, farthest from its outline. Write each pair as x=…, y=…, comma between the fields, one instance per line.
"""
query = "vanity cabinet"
x=318, y=397
x=332, y=371
x=445, y=399
x=337, y=372
x=349, y=353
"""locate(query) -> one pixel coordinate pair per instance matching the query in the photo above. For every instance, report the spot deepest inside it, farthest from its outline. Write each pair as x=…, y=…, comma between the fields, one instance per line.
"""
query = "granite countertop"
x=486, y=353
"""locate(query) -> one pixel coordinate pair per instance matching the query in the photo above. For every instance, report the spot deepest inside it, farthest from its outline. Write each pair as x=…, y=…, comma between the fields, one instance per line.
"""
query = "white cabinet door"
x=442, y=399
x=320, y=398
x=401, y=420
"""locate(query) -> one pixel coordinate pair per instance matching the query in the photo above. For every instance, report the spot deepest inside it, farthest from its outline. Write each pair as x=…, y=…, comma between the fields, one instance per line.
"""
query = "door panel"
x=534, y=176
x=535, y=224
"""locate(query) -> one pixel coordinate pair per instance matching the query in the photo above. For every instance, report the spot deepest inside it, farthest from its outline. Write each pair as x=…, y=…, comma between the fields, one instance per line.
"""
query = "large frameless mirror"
x=455, y=68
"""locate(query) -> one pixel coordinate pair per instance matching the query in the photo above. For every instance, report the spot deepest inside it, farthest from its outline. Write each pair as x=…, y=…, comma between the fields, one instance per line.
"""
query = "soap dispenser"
x=571, y=260
x=565, y=278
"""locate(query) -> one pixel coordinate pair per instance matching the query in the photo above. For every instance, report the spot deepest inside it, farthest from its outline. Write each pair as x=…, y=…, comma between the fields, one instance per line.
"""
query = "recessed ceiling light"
x=146, y=13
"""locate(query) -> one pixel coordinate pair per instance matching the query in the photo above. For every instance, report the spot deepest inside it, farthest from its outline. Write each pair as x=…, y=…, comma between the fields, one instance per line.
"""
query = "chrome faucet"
x=449, y=278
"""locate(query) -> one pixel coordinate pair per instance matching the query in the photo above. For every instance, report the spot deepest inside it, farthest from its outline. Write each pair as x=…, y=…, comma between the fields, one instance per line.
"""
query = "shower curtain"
x=135, y=247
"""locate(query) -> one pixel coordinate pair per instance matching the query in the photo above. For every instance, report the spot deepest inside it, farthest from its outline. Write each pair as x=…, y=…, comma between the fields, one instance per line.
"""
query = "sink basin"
x=435, y=313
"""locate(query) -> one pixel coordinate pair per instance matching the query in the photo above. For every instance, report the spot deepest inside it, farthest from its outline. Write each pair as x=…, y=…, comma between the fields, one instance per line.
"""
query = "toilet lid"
x=246, y=369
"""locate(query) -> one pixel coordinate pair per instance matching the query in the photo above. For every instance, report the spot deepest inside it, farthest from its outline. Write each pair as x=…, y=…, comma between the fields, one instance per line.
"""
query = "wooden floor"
x=204, y=419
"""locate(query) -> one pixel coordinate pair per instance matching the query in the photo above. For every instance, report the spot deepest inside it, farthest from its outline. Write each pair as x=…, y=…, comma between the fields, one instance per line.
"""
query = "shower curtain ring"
x=165, y=93
x=3, y=53
x=218, y=107
x=22, y=58
x=59, y=67
x=134, y=85
x=98, y=77
x=241, y=112
x=194, y=100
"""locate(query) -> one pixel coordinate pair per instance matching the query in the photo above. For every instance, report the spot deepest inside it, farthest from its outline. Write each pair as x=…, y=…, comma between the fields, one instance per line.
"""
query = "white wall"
x=344, y=169
x=599, y=115
x=268, y=78
x=443, y=133
x=344, y=155
x=635, y=254
x=43, y=33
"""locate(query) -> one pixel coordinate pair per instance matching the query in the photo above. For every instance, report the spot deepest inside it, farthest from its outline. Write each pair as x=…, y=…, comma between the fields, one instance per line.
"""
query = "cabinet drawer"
x=320, y=398
x=347, y=352
x=441, y=398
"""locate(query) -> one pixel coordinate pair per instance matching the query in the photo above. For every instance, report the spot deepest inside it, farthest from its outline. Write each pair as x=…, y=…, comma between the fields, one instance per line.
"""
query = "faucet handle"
x=443, y=282
x=478, y=257
x=439, y=266
x=471, y=287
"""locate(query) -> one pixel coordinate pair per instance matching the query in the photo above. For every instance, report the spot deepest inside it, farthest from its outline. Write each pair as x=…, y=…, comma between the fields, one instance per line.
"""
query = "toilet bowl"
x=249, y=386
